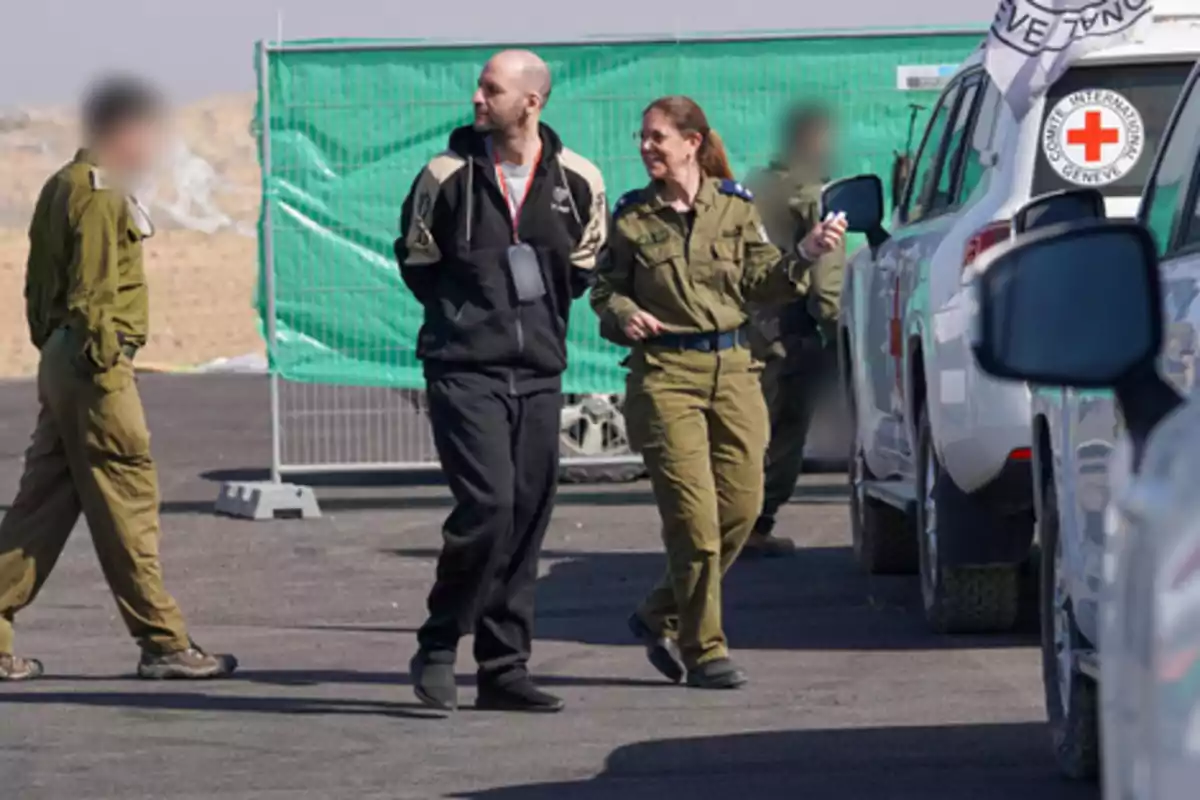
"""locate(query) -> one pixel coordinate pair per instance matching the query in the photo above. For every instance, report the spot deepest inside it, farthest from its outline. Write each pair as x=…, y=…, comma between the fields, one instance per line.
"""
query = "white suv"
x=1076, y=434
x=1093, y=306
x=941, y=461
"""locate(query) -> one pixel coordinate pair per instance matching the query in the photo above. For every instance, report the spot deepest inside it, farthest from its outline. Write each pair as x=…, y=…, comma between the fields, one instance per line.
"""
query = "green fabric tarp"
x=350, y=124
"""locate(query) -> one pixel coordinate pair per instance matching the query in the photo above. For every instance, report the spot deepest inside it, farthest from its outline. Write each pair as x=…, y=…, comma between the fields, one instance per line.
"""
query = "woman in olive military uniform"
x=687, y=253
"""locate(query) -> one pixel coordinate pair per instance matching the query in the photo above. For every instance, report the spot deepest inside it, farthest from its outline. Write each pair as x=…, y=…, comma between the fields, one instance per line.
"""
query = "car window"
x=1165, y=191
x=924, y=177
x=1103, y=124
x=1191, y=223
x=956, y=141
x=981, y=141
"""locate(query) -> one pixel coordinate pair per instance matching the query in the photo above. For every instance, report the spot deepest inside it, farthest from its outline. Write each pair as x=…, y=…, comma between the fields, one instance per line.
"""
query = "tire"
x=1072, y=705
x=957, y=599
x=612, y=473
x=884, y=543
x=1029, y=620
x=594, y=426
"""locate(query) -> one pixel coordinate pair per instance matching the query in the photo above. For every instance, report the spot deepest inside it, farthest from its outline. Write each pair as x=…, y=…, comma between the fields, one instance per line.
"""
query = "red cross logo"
x=1093, y=136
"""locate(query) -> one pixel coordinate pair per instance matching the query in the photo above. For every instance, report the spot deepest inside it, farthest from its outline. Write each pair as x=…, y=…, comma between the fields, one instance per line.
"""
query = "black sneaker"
x=661, y=651
x=433, y=682
x=720, y=673
x=517, y=695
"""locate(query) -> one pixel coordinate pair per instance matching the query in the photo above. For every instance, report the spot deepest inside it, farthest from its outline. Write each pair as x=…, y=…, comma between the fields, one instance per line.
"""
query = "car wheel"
x=956, y=599
x=883, y=537
x=1029, y=618
x=1071, y=697
x=593, y=426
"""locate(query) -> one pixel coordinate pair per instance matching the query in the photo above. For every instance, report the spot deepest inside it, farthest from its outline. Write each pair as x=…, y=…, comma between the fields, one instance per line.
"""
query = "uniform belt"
x=710, y=342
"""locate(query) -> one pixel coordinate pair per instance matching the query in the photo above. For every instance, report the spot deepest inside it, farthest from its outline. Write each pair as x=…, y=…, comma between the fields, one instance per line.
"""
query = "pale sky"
x=49, y=48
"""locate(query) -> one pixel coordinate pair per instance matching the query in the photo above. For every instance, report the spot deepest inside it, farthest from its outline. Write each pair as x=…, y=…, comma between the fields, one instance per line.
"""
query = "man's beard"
x=490, y=124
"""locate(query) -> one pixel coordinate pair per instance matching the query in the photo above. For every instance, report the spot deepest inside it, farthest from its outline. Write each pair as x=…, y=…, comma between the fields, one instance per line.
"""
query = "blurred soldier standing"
x=797, y=340
x=87, y=307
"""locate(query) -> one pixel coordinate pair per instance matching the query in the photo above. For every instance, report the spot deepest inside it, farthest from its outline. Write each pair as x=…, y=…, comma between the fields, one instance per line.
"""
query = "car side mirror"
x=1077, y=304
x=1053, y=208
x=1047, y=300
x=861, y=199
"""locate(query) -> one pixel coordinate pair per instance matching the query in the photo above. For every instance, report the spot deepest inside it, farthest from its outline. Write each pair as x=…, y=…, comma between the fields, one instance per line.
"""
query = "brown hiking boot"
x=768, y=546
x=192, y=664
x=15, y=668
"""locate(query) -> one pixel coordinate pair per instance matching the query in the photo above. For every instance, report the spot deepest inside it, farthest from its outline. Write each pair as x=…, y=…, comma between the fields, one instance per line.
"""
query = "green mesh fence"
x=349, y=124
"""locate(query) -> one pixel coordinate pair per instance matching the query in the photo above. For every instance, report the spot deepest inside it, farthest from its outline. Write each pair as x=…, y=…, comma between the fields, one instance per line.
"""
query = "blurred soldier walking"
x=498, y=235
x=87, y=307
x=797, y=341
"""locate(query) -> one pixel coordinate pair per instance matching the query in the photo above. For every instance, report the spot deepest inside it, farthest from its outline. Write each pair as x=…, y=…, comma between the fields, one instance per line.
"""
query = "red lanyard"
x=515, y=208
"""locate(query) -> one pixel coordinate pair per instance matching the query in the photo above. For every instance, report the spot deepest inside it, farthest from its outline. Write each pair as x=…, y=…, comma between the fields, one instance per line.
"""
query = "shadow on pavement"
x=299, y=678
x=364, y=494
x=969, y=762
x=350, y=677
x=817, y=600
x=301, y=706
x=433, y=477
x=196, y=701
x=358, y=494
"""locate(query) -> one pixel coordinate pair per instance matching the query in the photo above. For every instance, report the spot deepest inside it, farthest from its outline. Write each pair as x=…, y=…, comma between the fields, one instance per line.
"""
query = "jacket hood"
x=470, y=143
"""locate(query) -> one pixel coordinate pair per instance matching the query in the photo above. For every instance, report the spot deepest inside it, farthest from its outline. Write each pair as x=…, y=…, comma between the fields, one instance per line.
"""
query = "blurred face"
x=666, y=151
x=815, y=144
x=135, y=146
x=501, y=101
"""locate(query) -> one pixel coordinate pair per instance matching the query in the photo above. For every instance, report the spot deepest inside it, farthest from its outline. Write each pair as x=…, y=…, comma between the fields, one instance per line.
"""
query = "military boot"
x=720, y=673
x=190, y=664
x=15, y=668
x=764, y=543
x=661, y=651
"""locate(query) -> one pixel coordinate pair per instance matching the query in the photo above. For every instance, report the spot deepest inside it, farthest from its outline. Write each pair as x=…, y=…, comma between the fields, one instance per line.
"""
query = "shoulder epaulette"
x=734, y=188
x=626, y=200
x=96, y=178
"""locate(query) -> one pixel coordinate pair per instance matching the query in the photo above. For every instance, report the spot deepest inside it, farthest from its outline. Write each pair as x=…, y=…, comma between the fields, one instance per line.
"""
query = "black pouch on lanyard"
x=526, y=272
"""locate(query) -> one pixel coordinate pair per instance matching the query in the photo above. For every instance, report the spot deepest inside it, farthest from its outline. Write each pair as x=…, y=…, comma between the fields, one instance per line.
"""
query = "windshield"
x=1102, y=126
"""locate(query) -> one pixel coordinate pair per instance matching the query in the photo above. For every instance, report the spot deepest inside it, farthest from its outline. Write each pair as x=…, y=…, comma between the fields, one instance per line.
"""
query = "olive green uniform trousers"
x=792, y=386
x=90, y=454
x=700, y=423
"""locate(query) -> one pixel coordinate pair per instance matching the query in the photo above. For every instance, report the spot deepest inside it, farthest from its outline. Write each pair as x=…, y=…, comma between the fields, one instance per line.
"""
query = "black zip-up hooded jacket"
x=455, y=231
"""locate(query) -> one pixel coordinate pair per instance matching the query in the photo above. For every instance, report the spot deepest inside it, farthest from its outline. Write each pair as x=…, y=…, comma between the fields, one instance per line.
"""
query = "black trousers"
x=499, y=453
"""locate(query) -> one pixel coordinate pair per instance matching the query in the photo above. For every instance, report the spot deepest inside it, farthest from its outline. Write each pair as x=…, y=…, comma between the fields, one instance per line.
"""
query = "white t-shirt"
x=516, y=182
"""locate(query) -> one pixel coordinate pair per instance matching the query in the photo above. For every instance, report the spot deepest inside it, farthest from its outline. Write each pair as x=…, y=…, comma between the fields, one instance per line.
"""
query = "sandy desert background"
x=202, y=261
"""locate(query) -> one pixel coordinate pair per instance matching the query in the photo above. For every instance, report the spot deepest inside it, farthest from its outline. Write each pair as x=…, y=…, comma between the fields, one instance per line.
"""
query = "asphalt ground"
x=850, y=696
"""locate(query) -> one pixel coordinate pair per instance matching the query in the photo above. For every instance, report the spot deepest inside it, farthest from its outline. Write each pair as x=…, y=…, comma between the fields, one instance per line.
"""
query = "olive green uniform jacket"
x=697, y=415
